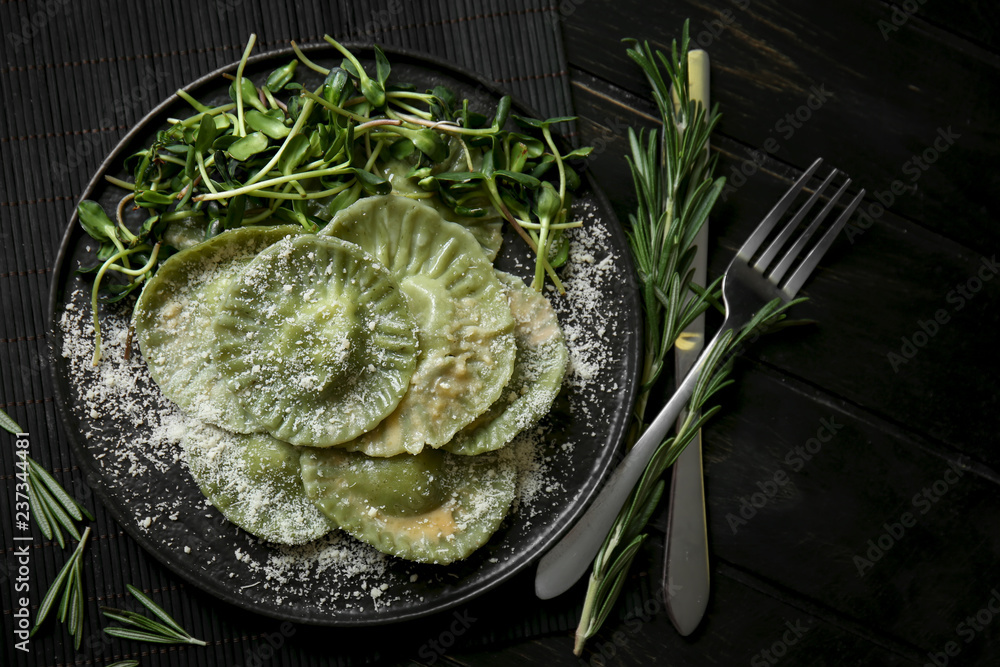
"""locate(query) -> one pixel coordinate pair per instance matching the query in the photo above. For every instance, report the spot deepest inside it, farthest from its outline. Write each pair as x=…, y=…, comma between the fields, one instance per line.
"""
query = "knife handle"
x=686, y=580
x=685, y=559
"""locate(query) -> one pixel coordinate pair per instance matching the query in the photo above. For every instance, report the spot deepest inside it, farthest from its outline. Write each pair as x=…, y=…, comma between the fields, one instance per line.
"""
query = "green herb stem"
x=315, y=194
x=547, y=133
x=313, y=97
x=202, y=170
x=240, y=125
x=414, y=111
x=121, y=219
x=198, y=106
x=108, y=263
x=247, y=189
x=375, y=123
x=554, y=226
x=135, y=273
x=406, y=95
x=296, y=129
x=125, y=185
x=305, y=61
x=443, y=125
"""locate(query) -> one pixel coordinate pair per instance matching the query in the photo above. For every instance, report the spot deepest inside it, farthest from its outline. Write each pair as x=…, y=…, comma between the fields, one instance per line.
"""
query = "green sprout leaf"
x=503, y=111
x=373, y=91
x=526, y=180
x=267, y=124
x=382, y=69
x=460, y=176
x=281, y=77
x=96, y=222
x=250, y=94
x=371, y=183
x=427, y=141
x=207, y=132
x=248, y=146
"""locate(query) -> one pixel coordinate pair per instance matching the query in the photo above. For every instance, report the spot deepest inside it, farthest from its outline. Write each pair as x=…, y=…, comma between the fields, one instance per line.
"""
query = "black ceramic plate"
x=160, y=506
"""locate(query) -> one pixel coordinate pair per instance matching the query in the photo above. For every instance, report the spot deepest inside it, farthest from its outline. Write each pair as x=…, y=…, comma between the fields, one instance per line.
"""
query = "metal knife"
x=685, y=571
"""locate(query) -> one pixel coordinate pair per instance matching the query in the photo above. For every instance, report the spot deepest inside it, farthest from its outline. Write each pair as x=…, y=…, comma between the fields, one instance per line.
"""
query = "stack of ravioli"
x=368, y=377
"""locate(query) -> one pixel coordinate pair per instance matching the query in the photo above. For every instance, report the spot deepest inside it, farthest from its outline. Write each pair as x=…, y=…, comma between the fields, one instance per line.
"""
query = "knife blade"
x=686, y=582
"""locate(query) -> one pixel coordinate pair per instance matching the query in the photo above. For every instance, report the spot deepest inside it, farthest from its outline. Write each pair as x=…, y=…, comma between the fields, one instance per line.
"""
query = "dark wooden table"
x=853, y=507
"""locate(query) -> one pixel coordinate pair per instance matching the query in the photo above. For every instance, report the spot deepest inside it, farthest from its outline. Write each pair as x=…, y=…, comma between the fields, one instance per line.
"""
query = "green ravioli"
x=173, y=322
x=254, y=481
x=432, y=507
x=539, y=368
x=316, y=341
x=465, y=326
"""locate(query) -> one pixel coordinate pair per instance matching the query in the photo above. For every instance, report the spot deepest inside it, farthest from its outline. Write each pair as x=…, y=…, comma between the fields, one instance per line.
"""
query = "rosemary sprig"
x=9, y=424
x=676, y=190
x=69, y=583
x=52, y=508
x=164, y=631
x=626, y=536
x=280, y=153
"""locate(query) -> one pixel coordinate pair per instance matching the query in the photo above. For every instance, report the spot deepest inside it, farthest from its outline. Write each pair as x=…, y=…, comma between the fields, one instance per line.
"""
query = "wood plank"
x=877, y=105
x=816, y=496
x=876, y=289
x=975, y=21
x=775, y=631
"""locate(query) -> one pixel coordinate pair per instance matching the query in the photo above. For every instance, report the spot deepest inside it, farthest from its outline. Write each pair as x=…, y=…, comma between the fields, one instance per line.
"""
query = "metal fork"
x=746, y=287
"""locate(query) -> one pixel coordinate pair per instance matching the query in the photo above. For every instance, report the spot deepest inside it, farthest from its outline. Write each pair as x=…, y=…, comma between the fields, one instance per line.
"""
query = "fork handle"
x=566, y=562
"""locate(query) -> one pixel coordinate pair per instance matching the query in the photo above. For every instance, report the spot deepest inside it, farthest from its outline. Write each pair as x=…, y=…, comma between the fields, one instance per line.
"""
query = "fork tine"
x=772, y=250
x=771, y=219
x=800, y=243
x=805, y=269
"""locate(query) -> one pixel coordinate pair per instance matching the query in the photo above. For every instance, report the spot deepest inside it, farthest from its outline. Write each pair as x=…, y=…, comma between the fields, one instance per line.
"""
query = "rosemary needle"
x=9, y=424
x=53, y=509
x=163, y=631
x=69, y=583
